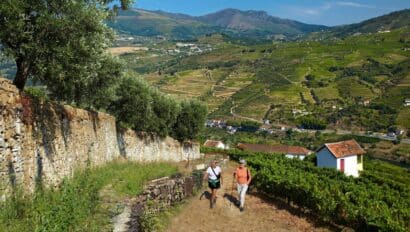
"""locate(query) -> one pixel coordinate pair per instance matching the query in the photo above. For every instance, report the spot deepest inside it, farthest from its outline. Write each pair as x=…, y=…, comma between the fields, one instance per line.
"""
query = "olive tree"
x=60, y=43
x=190, y=120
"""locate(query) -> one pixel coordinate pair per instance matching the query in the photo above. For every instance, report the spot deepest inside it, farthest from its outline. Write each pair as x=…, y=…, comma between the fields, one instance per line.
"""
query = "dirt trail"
x=260, y=215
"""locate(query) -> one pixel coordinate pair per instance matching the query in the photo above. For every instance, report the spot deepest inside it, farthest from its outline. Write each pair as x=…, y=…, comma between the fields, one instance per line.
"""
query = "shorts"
x=214, y=184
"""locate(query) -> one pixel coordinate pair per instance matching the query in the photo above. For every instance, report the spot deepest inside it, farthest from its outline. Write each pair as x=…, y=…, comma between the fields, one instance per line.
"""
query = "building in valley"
x=345, y=156
x=288, y=151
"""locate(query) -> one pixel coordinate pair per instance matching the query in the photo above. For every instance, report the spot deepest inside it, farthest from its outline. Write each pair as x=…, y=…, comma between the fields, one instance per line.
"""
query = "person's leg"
x=213, y=197
x=243, y=193
x=239, y=188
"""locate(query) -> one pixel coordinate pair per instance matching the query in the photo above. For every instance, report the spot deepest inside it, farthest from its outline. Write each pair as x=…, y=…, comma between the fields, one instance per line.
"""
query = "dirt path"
x=242, y=117
x=259, y=215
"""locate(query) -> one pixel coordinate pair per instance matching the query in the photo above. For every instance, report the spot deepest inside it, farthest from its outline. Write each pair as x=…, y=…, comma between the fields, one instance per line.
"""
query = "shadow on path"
x=205, y=194
x=232, y=200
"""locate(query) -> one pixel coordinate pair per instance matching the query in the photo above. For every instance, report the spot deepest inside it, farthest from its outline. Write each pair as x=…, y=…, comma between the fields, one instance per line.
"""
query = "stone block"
x=2, y=143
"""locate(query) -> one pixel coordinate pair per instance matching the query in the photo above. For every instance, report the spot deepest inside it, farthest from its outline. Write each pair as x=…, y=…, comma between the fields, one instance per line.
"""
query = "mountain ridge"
x=233, y=22
x=250, y=24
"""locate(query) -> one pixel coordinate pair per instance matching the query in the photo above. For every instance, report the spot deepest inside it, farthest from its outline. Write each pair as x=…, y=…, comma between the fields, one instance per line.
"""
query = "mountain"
x=257, y=20
x=386, y=22
x=154, y=23
x=236, y=23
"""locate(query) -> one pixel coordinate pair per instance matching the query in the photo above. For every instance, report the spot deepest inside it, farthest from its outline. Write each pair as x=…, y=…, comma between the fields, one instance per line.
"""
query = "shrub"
x=144, y=108
x=190, y=120
x=309, y=122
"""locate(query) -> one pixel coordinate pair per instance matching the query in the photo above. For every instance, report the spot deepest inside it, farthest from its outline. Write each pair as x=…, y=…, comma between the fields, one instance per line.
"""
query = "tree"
x=164, y=113
x=62, y=44
x=190, y=121
x=132, y=108
x=310, y=122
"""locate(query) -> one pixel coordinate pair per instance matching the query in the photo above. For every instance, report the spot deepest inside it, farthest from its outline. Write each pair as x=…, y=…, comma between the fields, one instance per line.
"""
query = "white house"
x=406, y=102
x=215, y=144
x=345, y=156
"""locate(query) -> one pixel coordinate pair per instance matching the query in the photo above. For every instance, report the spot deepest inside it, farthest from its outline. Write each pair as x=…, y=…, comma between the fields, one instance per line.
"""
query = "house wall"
x=326, y=159
x=360, y=166
x=220, y=146
x=350, y=165
x=292, y=156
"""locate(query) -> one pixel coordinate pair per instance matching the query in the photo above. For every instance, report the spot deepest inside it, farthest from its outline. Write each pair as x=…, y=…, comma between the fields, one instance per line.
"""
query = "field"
x=403, y=119
x=124, y=50
x=247, y=80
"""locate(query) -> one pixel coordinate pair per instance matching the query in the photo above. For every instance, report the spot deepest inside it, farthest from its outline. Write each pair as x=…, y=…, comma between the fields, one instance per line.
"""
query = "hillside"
x=149, y=23
x=250, y=24
x=387, y=22
x=243, y=24
x=359, y=83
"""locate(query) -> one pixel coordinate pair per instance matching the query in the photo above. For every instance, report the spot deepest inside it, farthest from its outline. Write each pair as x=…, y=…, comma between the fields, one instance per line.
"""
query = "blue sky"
x=331, y=12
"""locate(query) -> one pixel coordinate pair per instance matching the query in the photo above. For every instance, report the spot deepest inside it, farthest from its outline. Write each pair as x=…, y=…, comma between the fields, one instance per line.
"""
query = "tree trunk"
x=22, y=73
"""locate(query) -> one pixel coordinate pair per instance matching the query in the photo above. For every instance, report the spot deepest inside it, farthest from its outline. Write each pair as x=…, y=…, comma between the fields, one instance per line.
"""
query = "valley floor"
x=259, y=214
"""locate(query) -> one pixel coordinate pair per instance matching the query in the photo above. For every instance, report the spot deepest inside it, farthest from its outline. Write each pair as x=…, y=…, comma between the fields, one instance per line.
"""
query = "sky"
x=330, y=12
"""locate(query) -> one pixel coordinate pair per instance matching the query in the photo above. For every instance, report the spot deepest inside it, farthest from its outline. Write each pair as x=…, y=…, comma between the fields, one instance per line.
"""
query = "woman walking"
x=214, y=176
x=243, y=178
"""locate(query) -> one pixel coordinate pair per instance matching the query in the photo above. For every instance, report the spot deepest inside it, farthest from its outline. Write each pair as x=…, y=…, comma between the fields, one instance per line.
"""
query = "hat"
x=242, y=161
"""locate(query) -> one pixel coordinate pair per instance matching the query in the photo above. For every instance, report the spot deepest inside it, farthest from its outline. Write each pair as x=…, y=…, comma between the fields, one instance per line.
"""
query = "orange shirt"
x=242, y=175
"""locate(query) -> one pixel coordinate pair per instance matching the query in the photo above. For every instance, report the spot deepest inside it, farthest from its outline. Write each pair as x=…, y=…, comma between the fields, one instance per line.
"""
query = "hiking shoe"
x=238, y=203
x=241, y=209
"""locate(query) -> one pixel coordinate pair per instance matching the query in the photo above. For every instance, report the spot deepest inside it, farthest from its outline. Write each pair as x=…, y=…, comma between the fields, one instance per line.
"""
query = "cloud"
x=354, y=4
x=309, y=11
x=330, y=5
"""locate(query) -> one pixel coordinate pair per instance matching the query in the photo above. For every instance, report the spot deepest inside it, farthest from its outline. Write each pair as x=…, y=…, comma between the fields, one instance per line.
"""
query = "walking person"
x=243, y=177
x=214, y=176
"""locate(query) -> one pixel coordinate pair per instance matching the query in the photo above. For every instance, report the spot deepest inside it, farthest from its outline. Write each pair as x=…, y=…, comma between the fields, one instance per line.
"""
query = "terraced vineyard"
x=328, y=79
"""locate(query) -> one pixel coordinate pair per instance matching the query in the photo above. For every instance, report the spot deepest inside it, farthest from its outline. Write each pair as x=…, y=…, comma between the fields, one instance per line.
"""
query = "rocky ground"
x=260, y=214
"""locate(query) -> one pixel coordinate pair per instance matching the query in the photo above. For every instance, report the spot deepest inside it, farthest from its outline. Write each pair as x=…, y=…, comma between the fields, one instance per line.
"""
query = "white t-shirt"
x=211, y=174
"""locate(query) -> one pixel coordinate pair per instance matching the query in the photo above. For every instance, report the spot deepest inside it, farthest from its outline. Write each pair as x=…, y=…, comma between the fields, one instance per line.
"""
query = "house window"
x=359, y=159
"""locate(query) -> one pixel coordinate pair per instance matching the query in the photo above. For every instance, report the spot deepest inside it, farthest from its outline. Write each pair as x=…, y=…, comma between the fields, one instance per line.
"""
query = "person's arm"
x=206, y=175
x=250, y=177
x=221, y=177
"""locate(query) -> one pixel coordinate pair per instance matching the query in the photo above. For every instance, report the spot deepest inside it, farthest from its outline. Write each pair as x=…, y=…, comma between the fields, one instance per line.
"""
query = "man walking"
x=243, y=177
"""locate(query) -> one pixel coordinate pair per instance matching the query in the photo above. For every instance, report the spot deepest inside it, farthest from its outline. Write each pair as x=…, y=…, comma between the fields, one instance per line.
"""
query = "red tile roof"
x=211, y=143
x=283, y=149
x=344, y=148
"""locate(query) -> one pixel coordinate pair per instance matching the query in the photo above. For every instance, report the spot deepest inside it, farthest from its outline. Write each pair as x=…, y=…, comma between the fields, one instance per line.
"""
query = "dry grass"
x=124, y=50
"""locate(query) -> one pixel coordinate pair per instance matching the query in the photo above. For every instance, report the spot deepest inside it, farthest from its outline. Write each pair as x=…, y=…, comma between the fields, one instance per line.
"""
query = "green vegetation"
x=53, y=41
x=309, y=122
x=363, y=203
x=77, y=204
x=384, y=173
x=190, y=120
x=143, y=108
x=345, y=83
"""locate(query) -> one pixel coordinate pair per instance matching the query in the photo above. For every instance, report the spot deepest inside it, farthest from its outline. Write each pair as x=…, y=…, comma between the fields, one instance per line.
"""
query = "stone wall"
x=45, y=141
x=161, y=194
